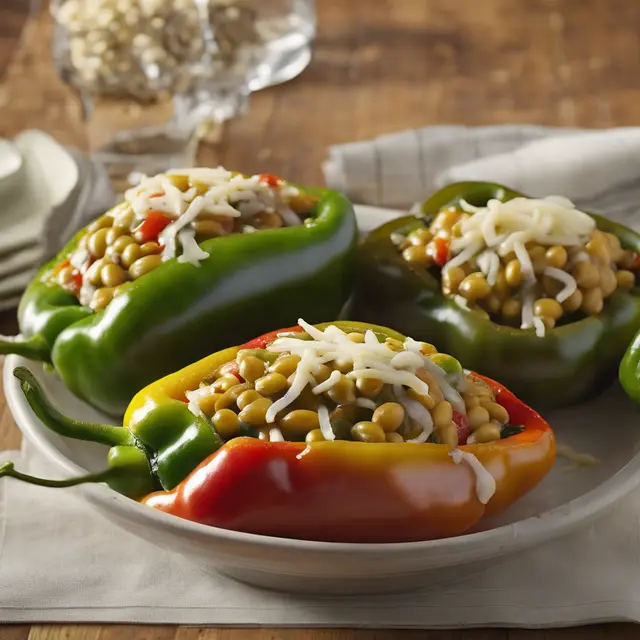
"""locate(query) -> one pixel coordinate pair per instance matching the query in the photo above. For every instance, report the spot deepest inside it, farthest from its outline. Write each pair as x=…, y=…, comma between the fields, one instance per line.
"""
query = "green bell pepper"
x=175, y=314
x=570, y=363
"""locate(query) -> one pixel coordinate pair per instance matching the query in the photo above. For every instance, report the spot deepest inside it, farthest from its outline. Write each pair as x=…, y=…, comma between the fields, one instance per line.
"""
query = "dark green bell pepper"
x=175, y=314
x=570, y=363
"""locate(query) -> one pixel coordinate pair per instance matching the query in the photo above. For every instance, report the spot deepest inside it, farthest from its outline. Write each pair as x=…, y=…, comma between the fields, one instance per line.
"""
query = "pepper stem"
x=63, y=425
x=8, y=470
x=34, y=348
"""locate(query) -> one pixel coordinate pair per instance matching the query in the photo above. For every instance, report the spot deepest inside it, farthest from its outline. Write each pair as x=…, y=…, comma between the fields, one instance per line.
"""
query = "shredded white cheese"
x=569, y=282
x=168, y=235
x=218, y=192
x=538, y=325
x=525, y=261
x=485, y=482
x=370, y=359
x=275, y=435
x=501, y=227
x=191, y=251
x=325, y=423
x=331, y=381
x=528, y=299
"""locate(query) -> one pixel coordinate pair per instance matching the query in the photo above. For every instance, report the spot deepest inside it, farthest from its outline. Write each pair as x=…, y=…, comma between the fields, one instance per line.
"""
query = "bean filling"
x=332, y=385
x=525, y=262
x=168, y=216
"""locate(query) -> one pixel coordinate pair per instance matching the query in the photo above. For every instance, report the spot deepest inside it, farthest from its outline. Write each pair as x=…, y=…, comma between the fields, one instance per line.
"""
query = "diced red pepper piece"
x=460, y=420
x=152, y=226
x=76, y=280
x=442, y=251
x=270, y=179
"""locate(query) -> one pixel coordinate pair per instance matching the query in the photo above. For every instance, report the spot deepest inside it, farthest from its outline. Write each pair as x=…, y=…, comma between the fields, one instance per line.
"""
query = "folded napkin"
x=61, y=562
x=47, y=192
x=597, y=169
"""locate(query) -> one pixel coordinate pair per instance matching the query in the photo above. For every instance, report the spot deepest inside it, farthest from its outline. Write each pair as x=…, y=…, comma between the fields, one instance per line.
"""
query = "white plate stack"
x=47, y=192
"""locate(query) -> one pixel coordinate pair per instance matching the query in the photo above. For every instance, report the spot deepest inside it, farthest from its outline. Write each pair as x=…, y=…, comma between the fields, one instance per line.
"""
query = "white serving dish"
x=607, y=427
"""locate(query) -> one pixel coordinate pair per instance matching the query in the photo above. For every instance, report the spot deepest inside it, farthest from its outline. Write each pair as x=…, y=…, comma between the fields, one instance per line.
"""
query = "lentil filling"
x=531, y=263
x=167, y=216
x=332, y=385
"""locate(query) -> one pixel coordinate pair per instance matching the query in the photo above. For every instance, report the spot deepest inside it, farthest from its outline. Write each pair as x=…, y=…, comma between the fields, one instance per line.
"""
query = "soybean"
x=226, y=423
x=368, y=432
x=144, y=265
x=254, y=414
x=389, y=416
x=251, y=368
x=271, y=384
x=475, y=287
x=547, y=307
x=300, y=421
x=488, y=432
x=592, y=301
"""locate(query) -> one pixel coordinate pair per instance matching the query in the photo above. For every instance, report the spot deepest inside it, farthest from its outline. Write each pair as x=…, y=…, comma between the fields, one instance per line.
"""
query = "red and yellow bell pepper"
x=350, y=491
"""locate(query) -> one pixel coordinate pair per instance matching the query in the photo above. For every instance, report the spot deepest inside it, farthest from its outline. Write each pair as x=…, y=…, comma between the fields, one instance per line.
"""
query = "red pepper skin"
x=153, y=225
x=325, y=491
x=360, y=492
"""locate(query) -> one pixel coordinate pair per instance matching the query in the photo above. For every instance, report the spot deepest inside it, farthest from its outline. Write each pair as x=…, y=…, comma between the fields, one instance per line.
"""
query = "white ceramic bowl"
x=607, y=427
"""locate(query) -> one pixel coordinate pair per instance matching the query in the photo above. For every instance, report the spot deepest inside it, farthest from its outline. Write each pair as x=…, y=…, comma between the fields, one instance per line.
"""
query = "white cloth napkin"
x=61, y=562
x=597, y=169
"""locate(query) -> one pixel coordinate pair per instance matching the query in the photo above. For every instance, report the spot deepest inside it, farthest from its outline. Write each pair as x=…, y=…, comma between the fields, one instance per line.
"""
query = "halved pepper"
x=570, y=363
x=333, y=491
x=178, y=312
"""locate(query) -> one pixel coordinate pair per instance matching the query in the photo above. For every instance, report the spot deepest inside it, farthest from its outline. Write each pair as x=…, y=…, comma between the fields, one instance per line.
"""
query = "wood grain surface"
x=379, y=66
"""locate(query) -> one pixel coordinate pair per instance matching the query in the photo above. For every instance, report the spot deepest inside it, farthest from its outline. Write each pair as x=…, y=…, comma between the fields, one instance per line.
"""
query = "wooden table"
x=379, y=66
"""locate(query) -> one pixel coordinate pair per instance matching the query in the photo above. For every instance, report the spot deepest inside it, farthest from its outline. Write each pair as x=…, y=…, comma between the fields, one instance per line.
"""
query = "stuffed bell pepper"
x=191, y=261
x=335, y=432
x=530, y=291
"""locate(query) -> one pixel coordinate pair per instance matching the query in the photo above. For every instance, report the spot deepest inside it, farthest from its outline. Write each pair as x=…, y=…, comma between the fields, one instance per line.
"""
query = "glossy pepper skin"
x=178, y=312
x=345, y=491
x=333, y=491
x=570, y=363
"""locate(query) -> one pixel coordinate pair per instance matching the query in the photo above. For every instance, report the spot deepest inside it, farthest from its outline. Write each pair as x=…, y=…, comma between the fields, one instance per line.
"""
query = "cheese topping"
x=369, y=359
x=485, y=482
x=500, y=227
x=219, y=193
